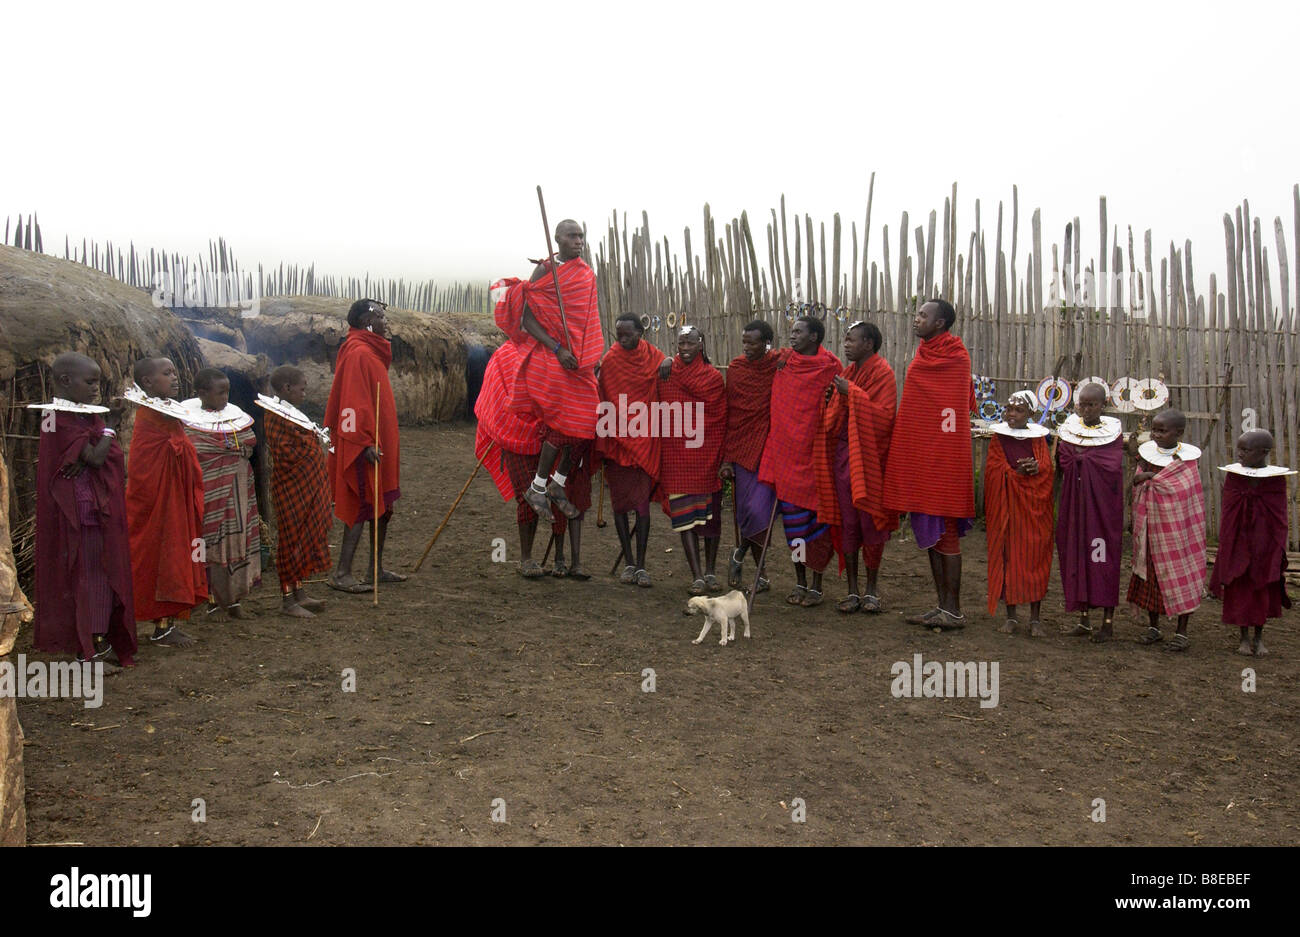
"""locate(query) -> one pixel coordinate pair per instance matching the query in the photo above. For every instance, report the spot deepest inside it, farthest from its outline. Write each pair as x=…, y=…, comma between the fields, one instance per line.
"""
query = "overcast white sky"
x=406, y=139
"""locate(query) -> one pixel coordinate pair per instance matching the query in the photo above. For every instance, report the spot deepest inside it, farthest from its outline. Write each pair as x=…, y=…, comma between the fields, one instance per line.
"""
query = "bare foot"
x=294, y=610
x=307, y=602
x=1260, y=650
x=1008, y=627
x=238, y=612
x=1245, y=648
x=171, y=637
x=1036, y=629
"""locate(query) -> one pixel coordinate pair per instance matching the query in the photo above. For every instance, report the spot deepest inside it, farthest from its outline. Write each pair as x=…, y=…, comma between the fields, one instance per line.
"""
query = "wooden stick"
x=600, y=504
x=762, y=557
x=451, y=510
x=555, y=273
x=374, y=523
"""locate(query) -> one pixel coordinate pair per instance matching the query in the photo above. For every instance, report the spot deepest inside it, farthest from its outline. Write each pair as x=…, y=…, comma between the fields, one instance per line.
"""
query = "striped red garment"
x=564, y=400
x=868, y=414
x=628, y=378
x=1169, y=519
x=497, y=423
x=749, y=408
x=694, y=398
x=797, y=391
x=930, y=468
x=1019, y=524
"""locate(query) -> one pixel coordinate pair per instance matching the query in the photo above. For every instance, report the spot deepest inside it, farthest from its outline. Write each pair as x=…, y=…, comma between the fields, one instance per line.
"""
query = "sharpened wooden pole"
x=555, y=273
x=464, y=488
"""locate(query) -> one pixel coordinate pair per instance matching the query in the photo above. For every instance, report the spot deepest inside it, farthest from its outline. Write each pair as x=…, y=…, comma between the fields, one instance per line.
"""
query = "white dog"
x=724, y=610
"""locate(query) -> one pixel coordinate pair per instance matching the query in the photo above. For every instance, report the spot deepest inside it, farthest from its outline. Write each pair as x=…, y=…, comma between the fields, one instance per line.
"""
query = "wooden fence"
x=1229, y=356
x=218, y=280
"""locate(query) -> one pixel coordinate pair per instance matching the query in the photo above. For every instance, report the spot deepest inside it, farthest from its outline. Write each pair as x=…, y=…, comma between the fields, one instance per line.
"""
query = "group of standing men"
x=825, y=444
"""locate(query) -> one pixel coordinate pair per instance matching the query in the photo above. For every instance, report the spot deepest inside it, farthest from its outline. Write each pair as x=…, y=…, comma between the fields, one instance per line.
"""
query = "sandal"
x=949, y=622
x=763, y=585
x=628, y=576
x=734, y=569
x=1009, y=627
x=643, y=579
x=712, y=584
x=556, y=495
x=871, y=604
x=849, y=604
x=559, y=570
x=1151, y=636
x=809, y=601
x=578, y=573
x=536, y=499
x=796, y=595
x=1078, y=630
x=1036, y=629
x=924, y=618
x=355, y=588
x=698, y=587
x=531, y=569
x=1179, y=642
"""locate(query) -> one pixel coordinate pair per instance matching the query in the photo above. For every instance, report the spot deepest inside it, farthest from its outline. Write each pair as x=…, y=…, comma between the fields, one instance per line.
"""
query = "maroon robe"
x=69, y=596
x=1091, y=510
x=1248, y=570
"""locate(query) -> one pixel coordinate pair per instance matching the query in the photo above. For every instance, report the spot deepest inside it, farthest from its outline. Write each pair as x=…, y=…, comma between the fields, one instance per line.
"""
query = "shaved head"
x=1256, y=439
x=145, y=368
x=1172, y=418
x=1092, y=392
x=71, y=363
x=286, y=375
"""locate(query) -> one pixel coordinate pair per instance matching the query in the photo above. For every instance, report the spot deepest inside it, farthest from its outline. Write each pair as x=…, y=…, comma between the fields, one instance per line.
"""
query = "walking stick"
x=375, y=521
x=429, y=546
x=762, y=559
x=555, y=273
x=550, y=543
x=600, y=504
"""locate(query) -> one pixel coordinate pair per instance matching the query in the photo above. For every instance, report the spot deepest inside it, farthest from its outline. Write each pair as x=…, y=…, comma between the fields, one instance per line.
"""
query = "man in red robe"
x=930, y=473
x=857, y=419
x=1249, y=570
x=360, y=368
x=693, y=421
x=628, y=379
x=556, y=380
x=797, y=392
x=749, y=413
x=83, y=558
x=508, y=441
x=164, y=510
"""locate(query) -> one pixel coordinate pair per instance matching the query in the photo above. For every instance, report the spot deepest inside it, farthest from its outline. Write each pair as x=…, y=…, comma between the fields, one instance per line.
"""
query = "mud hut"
x=48, y=306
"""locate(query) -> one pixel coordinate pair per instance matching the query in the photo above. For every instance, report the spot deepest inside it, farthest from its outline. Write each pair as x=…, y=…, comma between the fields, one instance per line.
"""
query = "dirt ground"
x=473, y=684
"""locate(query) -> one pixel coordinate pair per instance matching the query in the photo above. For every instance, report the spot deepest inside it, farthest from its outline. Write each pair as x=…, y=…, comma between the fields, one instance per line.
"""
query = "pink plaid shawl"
x=1169, y=518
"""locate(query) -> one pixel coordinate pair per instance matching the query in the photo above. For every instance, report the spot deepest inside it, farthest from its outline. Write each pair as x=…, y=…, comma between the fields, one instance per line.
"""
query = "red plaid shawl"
x=1169, y=523
x=932, y=431
x=635, y=376
x=797, y=392
x=301, y=492
x=497, y=423
x=362, y=362
x=231, y=525
x=749, y=408
x=685, y=470
x=868, y=411
x=564, y=400
x=1018, y=521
